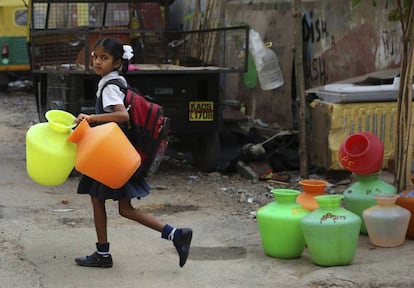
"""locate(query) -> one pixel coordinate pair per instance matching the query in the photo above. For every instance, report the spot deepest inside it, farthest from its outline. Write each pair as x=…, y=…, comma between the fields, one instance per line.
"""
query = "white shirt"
x=111, y=95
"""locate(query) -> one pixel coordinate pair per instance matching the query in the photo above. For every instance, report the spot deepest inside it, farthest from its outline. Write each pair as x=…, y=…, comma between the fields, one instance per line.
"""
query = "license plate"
x=201, y=111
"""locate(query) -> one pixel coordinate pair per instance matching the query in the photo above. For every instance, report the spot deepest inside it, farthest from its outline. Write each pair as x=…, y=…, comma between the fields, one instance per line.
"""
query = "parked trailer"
x=181, y=70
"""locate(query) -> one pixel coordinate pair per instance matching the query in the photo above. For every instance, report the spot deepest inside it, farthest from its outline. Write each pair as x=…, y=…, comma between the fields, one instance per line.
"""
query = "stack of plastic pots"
x=362, y=154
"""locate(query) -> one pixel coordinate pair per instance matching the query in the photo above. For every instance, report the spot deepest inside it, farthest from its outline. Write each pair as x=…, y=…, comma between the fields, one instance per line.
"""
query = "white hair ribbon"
x=128, y=52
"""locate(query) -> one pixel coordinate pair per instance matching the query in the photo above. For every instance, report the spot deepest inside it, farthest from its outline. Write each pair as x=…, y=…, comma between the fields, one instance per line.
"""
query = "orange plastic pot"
x=362, y=153
x=406, y=200
x=104, y=153
x=310, y=189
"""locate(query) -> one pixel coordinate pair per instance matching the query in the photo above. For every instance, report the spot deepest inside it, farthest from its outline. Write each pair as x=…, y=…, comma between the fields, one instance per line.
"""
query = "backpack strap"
x=123, y=89
x=116, y=82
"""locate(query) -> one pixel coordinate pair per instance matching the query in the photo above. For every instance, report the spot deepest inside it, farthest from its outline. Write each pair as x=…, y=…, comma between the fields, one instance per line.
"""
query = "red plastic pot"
x=362, y=153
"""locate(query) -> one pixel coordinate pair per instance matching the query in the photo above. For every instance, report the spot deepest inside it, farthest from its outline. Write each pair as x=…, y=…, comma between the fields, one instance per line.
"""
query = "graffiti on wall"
x=327, y=58
x=315, y=31
x=316, y=70
x=389, y=40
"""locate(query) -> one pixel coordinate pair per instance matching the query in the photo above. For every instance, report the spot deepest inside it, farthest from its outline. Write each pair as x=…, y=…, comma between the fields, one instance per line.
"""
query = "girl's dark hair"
x=114, y=47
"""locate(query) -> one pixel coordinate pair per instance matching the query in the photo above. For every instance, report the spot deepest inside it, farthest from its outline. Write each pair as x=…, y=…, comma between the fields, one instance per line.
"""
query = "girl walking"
x=109, y=55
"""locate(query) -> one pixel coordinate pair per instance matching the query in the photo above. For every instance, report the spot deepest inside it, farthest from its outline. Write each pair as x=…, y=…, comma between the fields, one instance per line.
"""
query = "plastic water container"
x=104, y=153
x=362, y=153
x=359, y=196
x=406, y=200
x=386, y=222
x=279, y=225
x=50, y=158
x=331, y=232
x=270, y=77
x=250, y=77
x=310, y=189
x=267, y=64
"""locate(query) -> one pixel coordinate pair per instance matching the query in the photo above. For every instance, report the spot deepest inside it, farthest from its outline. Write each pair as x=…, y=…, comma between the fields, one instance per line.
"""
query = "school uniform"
x=136, y=188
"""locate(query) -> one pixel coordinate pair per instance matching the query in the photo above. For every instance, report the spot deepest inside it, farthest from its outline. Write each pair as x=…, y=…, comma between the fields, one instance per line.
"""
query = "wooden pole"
x=195, y=37
x=404, y=147
x=300, y=88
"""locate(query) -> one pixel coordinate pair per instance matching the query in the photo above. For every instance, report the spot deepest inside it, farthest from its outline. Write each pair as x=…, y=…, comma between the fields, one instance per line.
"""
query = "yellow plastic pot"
x=50, y=157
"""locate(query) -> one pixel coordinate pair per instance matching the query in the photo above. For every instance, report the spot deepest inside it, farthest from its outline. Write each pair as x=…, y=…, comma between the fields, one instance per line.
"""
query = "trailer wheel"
x=206, y=151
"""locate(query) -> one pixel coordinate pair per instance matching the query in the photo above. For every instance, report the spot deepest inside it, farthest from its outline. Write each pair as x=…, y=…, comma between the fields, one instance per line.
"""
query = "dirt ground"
x=40, y=235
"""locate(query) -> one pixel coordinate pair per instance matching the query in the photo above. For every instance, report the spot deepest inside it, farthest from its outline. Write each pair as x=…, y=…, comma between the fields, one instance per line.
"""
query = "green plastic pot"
x=331, y=232
x=279, y=225
x=360, y=195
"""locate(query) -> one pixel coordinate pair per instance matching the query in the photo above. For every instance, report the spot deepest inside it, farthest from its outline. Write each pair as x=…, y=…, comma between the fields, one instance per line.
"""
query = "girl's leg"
x=126, y=210
x=100, y=258
x=181, y=237
x=99, y=217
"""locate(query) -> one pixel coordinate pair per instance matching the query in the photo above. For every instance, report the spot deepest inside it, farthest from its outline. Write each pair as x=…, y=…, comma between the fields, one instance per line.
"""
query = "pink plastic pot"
x=362, y=153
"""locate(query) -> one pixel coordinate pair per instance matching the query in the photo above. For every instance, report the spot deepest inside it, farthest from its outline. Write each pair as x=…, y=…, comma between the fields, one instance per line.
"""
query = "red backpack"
x=148, y=128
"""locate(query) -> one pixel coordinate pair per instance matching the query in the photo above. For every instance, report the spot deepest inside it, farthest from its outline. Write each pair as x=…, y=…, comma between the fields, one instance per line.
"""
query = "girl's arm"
x=119, y=115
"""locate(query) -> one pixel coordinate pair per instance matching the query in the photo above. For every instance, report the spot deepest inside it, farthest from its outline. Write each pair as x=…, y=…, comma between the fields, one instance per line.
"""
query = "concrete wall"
x=338, y=44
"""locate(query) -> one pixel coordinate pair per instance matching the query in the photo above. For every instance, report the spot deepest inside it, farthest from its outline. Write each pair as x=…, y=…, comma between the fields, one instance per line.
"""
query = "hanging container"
x=360, y=195
x=266, y=62
x=406, y=200
x=362, y=153
x=279, y=225
x=50, y=158
x=104, y=153
x=386, y=222
x=310, y=189
x=331, y=232
x=250, y=76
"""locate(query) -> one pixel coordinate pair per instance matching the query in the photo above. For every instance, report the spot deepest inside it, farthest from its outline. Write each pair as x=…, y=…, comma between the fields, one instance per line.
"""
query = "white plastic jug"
x=266, y=61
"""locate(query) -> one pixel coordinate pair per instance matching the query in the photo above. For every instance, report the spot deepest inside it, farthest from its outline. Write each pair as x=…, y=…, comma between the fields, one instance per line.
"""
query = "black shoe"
x=95, y=260
x=182, y=244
